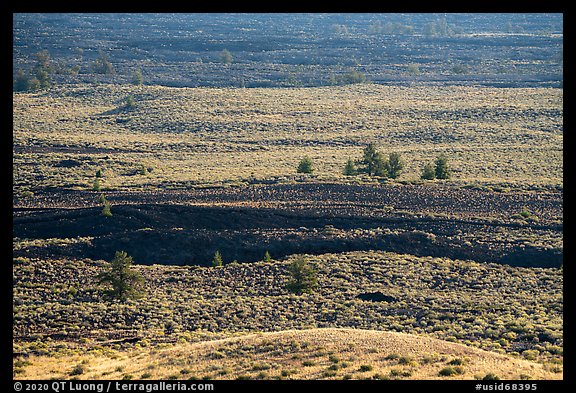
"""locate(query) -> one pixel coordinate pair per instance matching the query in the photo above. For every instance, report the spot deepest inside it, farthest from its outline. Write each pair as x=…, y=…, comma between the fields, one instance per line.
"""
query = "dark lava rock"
x=376, y=297
x=68, y=163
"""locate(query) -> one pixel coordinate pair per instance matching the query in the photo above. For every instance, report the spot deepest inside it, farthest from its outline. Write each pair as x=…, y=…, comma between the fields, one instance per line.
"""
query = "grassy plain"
x=205, y=136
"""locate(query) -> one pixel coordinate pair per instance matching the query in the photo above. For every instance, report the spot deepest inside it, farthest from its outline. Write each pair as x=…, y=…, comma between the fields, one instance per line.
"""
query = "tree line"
x=374, y=163
x=124, y=283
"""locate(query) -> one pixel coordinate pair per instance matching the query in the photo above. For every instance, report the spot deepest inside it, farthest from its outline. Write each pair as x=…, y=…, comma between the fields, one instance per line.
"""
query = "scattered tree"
x=137, y=78
x=129, y=102
x=413, y=69
x=339, y=29
x=267, y=257
x=106, y=209
x=394, y=165
x=372, y=160
x=21, y=82
x=41, y=74
x=392, y=28
x=226, y=56
x=126, y=283
x=305, y=165
x=303, y=277
x=348, y=78
x=96, y=186
x=43, y=77
x=440, y=28
x=350, y=168
x=441, y=169
x=217, y=260
x=143, y=170
x=102, y=64
x=460, y=69
x=428, y=172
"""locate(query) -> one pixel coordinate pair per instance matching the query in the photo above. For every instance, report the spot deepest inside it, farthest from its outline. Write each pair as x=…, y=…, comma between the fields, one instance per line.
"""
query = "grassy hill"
x=329, y=353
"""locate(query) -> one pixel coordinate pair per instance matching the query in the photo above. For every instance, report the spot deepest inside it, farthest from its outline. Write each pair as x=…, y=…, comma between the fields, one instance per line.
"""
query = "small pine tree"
x=428, y=172
x=267, y=257
x=43, y=77
x=102, y=65
x=217, y=260
x=441, y=169
x=372, y=161
x=21, y=81
x=106, y=210
x=303, y=277
x=305, y=165
x=226, y=56
x=129, y=102
x=143, y=170
x=394, y=165
x=96, y=186
x=137, y=78
x=350, y=168
x=34, y=84
x=99, y=173
x=126, y=283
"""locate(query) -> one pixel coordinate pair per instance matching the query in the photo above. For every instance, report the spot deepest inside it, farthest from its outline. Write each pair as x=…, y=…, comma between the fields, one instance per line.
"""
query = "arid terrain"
x=456, y=278
x=328, y=353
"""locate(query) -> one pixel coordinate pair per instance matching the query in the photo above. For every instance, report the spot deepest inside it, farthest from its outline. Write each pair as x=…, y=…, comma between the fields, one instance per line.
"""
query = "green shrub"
x=396, y=373
x=491, y=377
x=305, y=165
x=365, y=367
x=405, y=360
x=102, y=65
x=457, y=362
x=77, y=370
x=372, y=160
x=450, y=371
x=531, y=354
x=142, y=170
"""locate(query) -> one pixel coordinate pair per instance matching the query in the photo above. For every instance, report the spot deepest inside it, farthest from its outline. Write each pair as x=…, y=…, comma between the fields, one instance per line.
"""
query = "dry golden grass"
x=206, y=135
x=331, y=353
